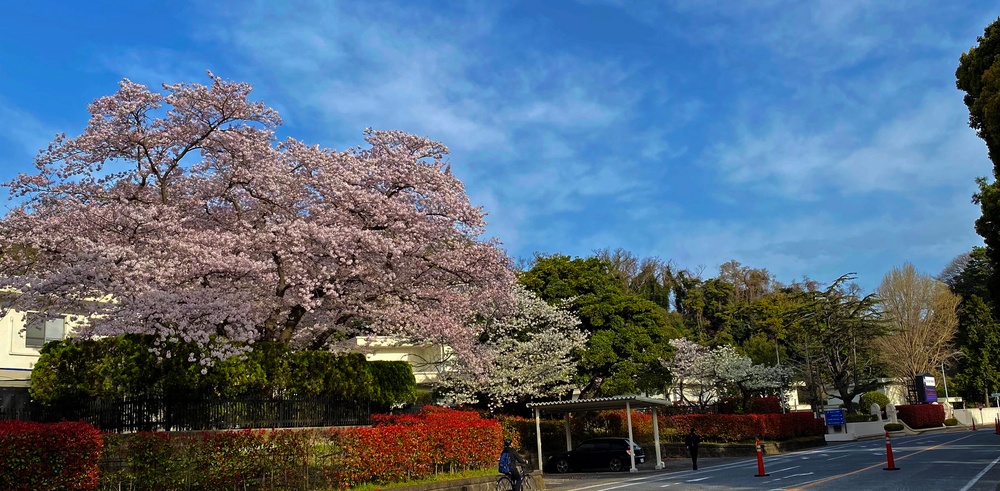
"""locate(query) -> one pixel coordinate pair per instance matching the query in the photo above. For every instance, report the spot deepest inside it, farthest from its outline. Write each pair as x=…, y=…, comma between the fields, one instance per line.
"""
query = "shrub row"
x=61, y=456
x=398, y=448
x=125, y=366
x=726, y=428
x=921, y=415
x=246, y=459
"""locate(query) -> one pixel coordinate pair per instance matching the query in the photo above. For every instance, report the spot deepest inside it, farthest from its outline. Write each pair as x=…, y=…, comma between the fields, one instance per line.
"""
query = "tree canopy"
x=179, y=214
x=628, y=334
x=921, y=313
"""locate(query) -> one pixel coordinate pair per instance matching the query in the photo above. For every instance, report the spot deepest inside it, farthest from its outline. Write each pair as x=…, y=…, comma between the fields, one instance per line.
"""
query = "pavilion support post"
x=656, y=438
x=538, y=436
x=569, y=438
x=631, y=453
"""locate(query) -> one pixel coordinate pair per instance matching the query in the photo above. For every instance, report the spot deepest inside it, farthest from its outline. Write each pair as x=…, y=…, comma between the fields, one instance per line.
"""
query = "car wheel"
x=616, y=464
x=562, y=466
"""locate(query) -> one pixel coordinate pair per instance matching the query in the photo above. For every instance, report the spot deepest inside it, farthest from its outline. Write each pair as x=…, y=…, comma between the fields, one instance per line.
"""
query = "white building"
x=21, y=337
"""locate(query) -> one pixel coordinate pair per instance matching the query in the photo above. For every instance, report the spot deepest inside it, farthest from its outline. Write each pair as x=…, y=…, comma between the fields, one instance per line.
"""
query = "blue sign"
x=835, y=417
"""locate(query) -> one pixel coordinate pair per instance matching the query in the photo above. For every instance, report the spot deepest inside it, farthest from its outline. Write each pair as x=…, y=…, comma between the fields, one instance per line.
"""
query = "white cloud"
x=926, y=147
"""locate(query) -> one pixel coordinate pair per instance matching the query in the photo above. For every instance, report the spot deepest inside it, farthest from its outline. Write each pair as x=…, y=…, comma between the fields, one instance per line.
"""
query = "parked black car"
x=598, y=453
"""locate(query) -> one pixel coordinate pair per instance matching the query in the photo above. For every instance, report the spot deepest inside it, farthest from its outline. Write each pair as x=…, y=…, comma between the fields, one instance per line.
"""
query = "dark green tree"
x=628, y=334
x=833, y=342
x=977, y=371
x=978, y=75
x=979, y=340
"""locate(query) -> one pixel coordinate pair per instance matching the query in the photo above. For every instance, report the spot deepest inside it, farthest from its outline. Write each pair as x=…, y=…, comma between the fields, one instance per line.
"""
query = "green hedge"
x=53, y=457
x=125, y=366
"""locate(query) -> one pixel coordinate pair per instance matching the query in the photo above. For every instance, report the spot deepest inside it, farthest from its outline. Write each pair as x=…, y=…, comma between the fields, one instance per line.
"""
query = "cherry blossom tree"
x=531, y=348
x=706, y=374
x=180, y=214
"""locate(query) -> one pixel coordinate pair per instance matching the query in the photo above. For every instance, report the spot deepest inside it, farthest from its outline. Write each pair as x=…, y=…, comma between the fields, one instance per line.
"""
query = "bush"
x=873, y=397
x=765, y=405
x=726, y=428
x=860, y=418
x=60, y=456
x=893, y=427
x=951, y=422
x=124, y=366
x=207, y=460
x=398, y=448
x=921, y=415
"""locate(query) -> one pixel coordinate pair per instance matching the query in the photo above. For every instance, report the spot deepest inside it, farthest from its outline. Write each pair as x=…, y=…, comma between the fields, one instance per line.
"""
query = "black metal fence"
x=183, y=414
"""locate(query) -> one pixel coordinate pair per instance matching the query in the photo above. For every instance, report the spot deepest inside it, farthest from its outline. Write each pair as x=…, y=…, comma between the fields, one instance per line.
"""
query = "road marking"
x=787, y=469
x=832, y=478
x=980, y=475
x=696, y=480
x=835, y=458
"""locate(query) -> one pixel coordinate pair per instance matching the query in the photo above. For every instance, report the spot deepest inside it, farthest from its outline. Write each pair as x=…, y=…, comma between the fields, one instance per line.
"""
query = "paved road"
x=961, y=461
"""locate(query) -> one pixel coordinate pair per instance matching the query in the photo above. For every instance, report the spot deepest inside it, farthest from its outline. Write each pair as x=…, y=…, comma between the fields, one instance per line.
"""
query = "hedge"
x=397, y=448
x=921, y=415
x=125, y=366
x=56, y=457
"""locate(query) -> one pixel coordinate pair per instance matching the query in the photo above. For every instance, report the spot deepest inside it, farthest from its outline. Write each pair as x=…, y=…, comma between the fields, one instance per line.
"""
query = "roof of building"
x=599, y=403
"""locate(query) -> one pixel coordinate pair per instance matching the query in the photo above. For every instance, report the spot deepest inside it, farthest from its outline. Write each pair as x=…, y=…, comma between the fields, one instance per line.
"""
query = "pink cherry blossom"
x=181, y=215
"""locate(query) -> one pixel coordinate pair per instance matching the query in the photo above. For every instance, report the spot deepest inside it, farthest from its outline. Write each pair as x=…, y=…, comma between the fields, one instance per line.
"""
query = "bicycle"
x=527, y=483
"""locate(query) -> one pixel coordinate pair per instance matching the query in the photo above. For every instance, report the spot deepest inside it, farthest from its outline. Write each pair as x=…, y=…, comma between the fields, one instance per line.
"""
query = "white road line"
x=786, y=469
x=980, y=475
x=696, y=480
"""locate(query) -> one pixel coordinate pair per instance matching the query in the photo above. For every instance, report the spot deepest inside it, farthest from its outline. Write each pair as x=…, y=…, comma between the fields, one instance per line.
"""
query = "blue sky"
x=809, y=138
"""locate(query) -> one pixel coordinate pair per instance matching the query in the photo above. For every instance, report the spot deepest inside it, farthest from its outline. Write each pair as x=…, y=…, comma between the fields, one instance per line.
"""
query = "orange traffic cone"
x=760, y=461
x=888, y=455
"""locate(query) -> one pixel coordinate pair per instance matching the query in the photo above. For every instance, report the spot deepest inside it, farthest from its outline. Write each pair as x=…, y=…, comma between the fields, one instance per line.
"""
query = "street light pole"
x=945, y=379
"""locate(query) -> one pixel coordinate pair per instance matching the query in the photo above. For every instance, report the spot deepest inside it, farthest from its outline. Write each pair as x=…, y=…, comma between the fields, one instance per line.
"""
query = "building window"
x=38, y=330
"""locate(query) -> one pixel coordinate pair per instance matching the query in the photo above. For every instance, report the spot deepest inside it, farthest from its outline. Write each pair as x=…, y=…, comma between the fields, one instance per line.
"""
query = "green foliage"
x=951, y=422
x=246, y=459
x=59, y=457
x=860, y=418
x=979, y=340
x=628, y=333
x=394, y=382
x=124, y=366
x=893, y=427
x=873, y=397
x=978, y=75
x=834, y=341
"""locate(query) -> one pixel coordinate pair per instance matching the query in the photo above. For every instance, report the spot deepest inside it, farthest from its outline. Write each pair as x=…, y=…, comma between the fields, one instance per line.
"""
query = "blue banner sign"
x=835, y=417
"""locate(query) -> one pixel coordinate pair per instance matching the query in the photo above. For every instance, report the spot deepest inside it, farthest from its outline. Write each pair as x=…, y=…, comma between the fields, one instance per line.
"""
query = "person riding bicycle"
x=509, y=459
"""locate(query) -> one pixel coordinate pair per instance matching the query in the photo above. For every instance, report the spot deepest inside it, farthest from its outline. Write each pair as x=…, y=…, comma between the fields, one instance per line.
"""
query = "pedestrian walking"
x=691, y=442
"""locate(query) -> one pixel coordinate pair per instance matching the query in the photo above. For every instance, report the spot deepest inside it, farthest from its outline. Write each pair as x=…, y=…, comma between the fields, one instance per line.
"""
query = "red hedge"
x=60, y=456
x=408, y=447
x=921, y=415
x=747, y=427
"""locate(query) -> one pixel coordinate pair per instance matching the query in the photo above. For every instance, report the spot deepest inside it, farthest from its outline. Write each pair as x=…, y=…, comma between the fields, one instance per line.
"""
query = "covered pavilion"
x=628, y=403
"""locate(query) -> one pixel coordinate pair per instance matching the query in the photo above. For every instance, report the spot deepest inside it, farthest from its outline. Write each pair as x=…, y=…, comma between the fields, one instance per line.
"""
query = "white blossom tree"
x=707, y=374
x=531, y=350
